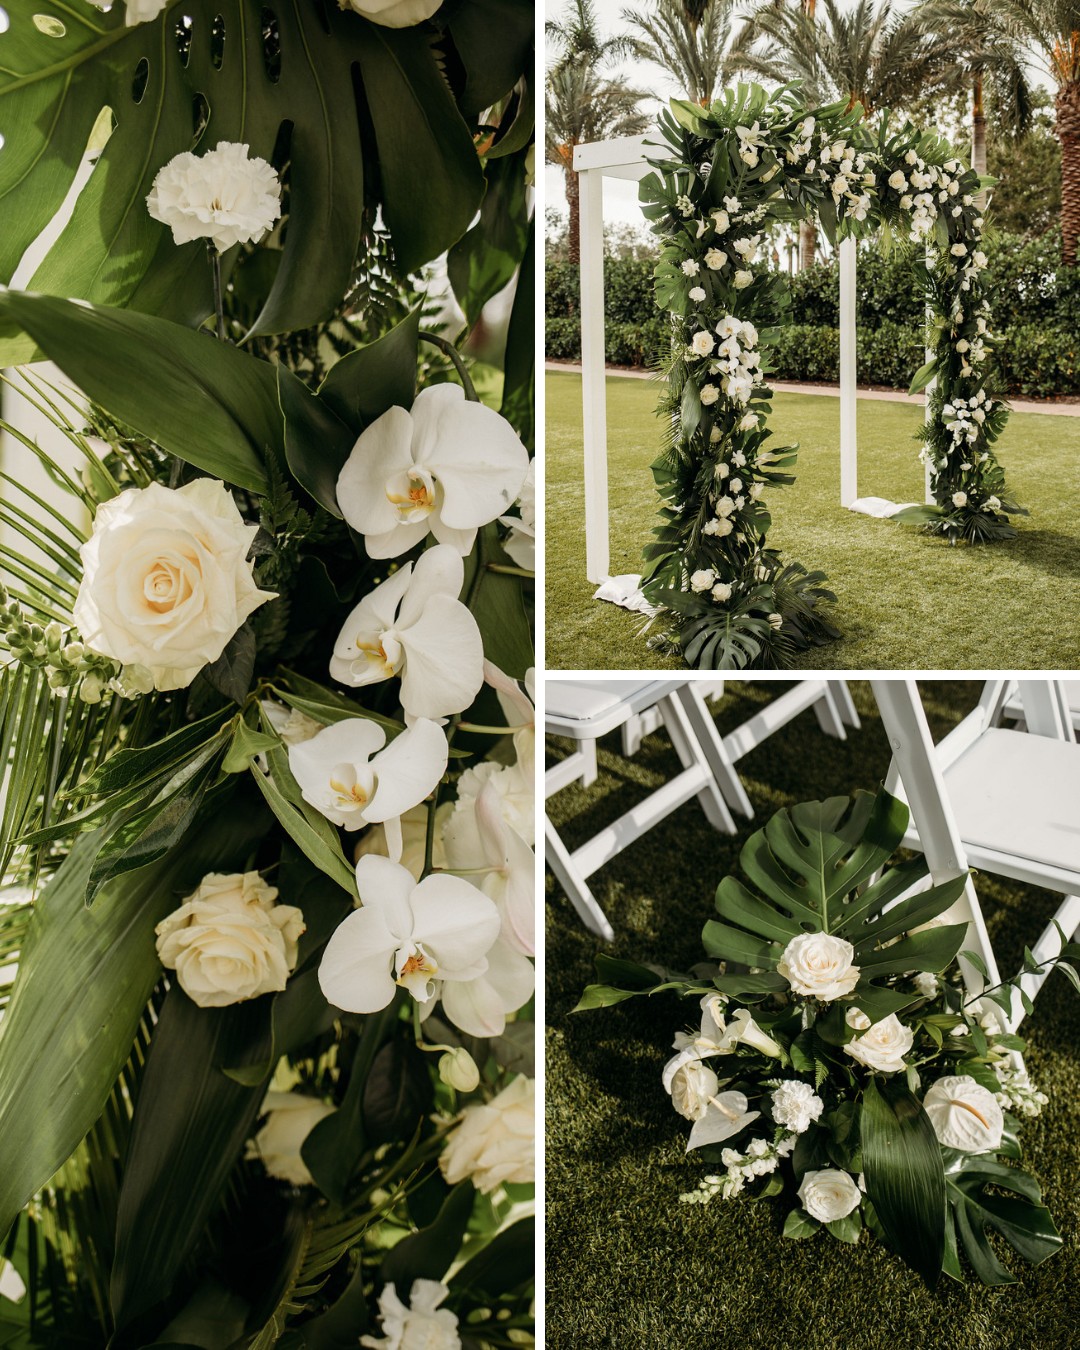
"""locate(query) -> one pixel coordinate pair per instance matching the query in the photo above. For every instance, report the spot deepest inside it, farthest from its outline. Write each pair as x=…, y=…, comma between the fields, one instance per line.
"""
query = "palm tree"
x=872, y=55
x=582, y=106
x=692, y=43
x=1047, y=34
x=991, y=60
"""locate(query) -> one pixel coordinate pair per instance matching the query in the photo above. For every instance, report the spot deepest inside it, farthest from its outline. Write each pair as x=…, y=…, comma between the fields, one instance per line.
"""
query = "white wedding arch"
x=624, y=157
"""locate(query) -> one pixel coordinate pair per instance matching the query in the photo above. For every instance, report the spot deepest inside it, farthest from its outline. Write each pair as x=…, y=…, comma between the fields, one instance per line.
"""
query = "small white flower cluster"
x=1018, y=1092
x=759, y=1160
x=734, y=359
x=837, y=164
x=964, y=417
x=929, y=190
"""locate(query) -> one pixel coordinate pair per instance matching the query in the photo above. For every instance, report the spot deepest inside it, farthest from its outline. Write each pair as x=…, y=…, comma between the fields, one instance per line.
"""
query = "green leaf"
x=846, y=1229
x=372, y=379
x=189, y=1127
x=627, y=974
x=127, y=768
x=317, y=442
x=84, y=979
x=1019, y=1215
x=205, y=401
x=799, y=1224
x=397, y=1093
x=519, y=364
x=494, y=40
x=904, y=915
x=905, y=1177
x=421, y=139
x=429, y=1253
x=932, y=950
x=485, y=259
x=731, y=944
x=231, y=673
x=506, y=1263
x=923, y=376
x=603, y=996
x=246, y=743
x=497, y=604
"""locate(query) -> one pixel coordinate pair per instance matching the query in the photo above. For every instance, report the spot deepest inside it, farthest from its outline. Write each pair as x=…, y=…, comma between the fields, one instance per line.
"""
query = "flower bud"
x=91, y=688
x=457, y=1069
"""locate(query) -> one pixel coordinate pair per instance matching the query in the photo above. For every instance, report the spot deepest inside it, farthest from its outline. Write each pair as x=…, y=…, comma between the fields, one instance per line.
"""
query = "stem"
x=215, y=269
x=508, y=571
x=482, y=730
x=452, y=352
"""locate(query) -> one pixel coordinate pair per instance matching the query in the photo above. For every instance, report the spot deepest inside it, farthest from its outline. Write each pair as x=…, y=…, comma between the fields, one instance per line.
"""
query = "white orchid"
x=414, y=626
x=520, y=543
x=345, y=773
x=518, y=703
x=446, y=467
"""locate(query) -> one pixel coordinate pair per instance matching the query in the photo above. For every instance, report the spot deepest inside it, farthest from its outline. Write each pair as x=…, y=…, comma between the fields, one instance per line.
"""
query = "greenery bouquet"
x=840, y=1058
x=266, y=726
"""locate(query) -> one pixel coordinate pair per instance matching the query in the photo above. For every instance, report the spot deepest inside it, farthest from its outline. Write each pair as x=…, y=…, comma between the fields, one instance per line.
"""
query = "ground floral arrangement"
x=266, y=701
x=731, y=171
x=849, y=1069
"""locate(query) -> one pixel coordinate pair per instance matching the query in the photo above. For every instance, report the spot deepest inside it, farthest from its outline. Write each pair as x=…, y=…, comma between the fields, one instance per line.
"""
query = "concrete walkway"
x=1023, y=405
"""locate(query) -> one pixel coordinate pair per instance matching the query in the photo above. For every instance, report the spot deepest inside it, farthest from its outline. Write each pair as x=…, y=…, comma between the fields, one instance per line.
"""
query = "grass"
x=904, y=601
x=627, y=1265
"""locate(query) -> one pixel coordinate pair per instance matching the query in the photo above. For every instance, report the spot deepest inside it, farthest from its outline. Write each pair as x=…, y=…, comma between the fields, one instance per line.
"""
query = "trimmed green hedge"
x=1040, y=356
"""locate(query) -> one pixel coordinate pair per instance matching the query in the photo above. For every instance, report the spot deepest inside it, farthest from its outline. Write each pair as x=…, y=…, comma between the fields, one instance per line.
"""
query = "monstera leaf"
x=355, y=114
x=1012, y=1207
x=808, y=864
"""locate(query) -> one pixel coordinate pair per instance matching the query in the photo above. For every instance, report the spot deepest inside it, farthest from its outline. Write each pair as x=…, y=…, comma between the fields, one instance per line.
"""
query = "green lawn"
x=630, y=1268
x=904, y=601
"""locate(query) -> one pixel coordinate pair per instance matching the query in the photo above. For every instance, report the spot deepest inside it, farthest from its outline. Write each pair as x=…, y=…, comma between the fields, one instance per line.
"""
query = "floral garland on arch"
x=750, y=160
x=839, y=1059
x=266, y=705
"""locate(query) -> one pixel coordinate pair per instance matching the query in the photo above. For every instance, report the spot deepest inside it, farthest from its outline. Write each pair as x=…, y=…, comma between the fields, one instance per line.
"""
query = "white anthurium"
x=446, y=467
x=424, y=936
x=725, y=1116
x=345, y=772
x=478, y=840
x=414, y=626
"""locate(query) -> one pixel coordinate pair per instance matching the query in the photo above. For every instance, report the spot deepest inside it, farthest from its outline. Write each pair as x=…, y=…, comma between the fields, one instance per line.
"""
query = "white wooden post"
x=849, y=454
x=593, y=390
x=928, y=496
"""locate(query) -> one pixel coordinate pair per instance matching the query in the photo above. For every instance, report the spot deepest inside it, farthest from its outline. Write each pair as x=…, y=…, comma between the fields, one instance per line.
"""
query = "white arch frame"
x=624, y=157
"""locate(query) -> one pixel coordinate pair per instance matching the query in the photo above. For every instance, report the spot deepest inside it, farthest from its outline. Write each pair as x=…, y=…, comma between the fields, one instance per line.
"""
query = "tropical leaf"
x=984, y=1194
x=286, y=90
x=905, y=1177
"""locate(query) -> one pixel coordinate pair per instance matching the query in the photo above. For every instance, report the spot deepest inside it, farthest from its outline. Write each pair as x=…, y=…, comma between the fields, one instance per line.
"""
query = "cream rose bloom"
x=226, y=195
x=291, y=1116
x=819, y=965
x=228, y=941
x=964, y=1114
x=691, y=1085
x=166, y=579
x=494, y=1142
x=829, y=1194
x=884, y=1046
x=393, y=13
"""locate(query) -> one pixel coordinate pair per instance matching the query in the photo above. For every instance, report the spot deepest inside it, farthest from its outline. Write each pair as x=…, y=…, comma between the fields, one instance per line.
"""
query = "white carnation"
x=796, y=1105
x=223, y=196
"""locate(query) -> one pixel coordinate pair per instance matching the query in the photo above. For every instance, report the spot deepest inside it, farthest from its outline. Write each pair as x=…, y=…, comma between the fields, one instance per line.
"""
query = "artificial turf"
x=627, y=1264
x=905, y=601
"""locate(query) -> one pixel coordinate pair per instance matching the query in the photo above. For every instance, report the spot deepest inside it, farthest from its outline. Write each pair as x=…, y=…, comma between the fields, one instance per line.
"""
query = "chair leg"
x=711, y=744
x=828, y=714
x=844, y=703
x=574, y=884
x=589, y=771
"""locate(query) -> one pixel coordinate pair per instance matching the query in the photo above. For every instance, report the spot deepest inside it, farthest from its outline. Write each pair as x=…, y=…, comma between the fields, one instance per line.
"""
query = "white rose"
x=721, y=221
x=393, y=13
x=964, y=1115
x=926, y=982
x=959, y=499
x=493, y=1142
x=993, y=503
x=166, y=579
x=884, y=1046
x=292, y=1116
x=223, y=196
x=715, y=259
x=420, y=1325
x=819, y=965
x=697, y=294
x=703, y=580
x=228, y=941
x=717, y=527
x=749, y=422
x=742, y=279
x=897, y=181
x=691, y=1085
x=958, y=250
x=721, y=592
x=702, y=344
x=796, y=1105
x=709, y=395
x=829, y=1195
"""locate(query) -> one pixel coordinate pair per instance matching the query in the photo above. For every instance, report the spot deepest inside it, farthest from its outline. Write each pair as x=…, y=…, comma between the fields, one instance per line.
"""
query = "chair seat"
x=1019, y=794
x=589, y=709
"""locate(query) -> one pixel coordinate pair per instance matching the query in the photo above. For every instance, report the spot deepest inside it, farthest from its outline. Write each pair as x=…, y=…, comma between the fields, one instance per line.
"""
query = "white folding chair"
x=586, y=710
x=1068, y=692
x=998, y=800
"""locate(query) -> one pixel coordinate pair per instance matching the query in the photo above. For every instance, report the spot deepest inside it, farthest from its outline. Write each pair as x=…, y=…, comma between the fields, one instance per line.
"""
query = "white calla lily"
x=415, y=627
x=446, y=467
x=345, y=773
x=423, y=936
